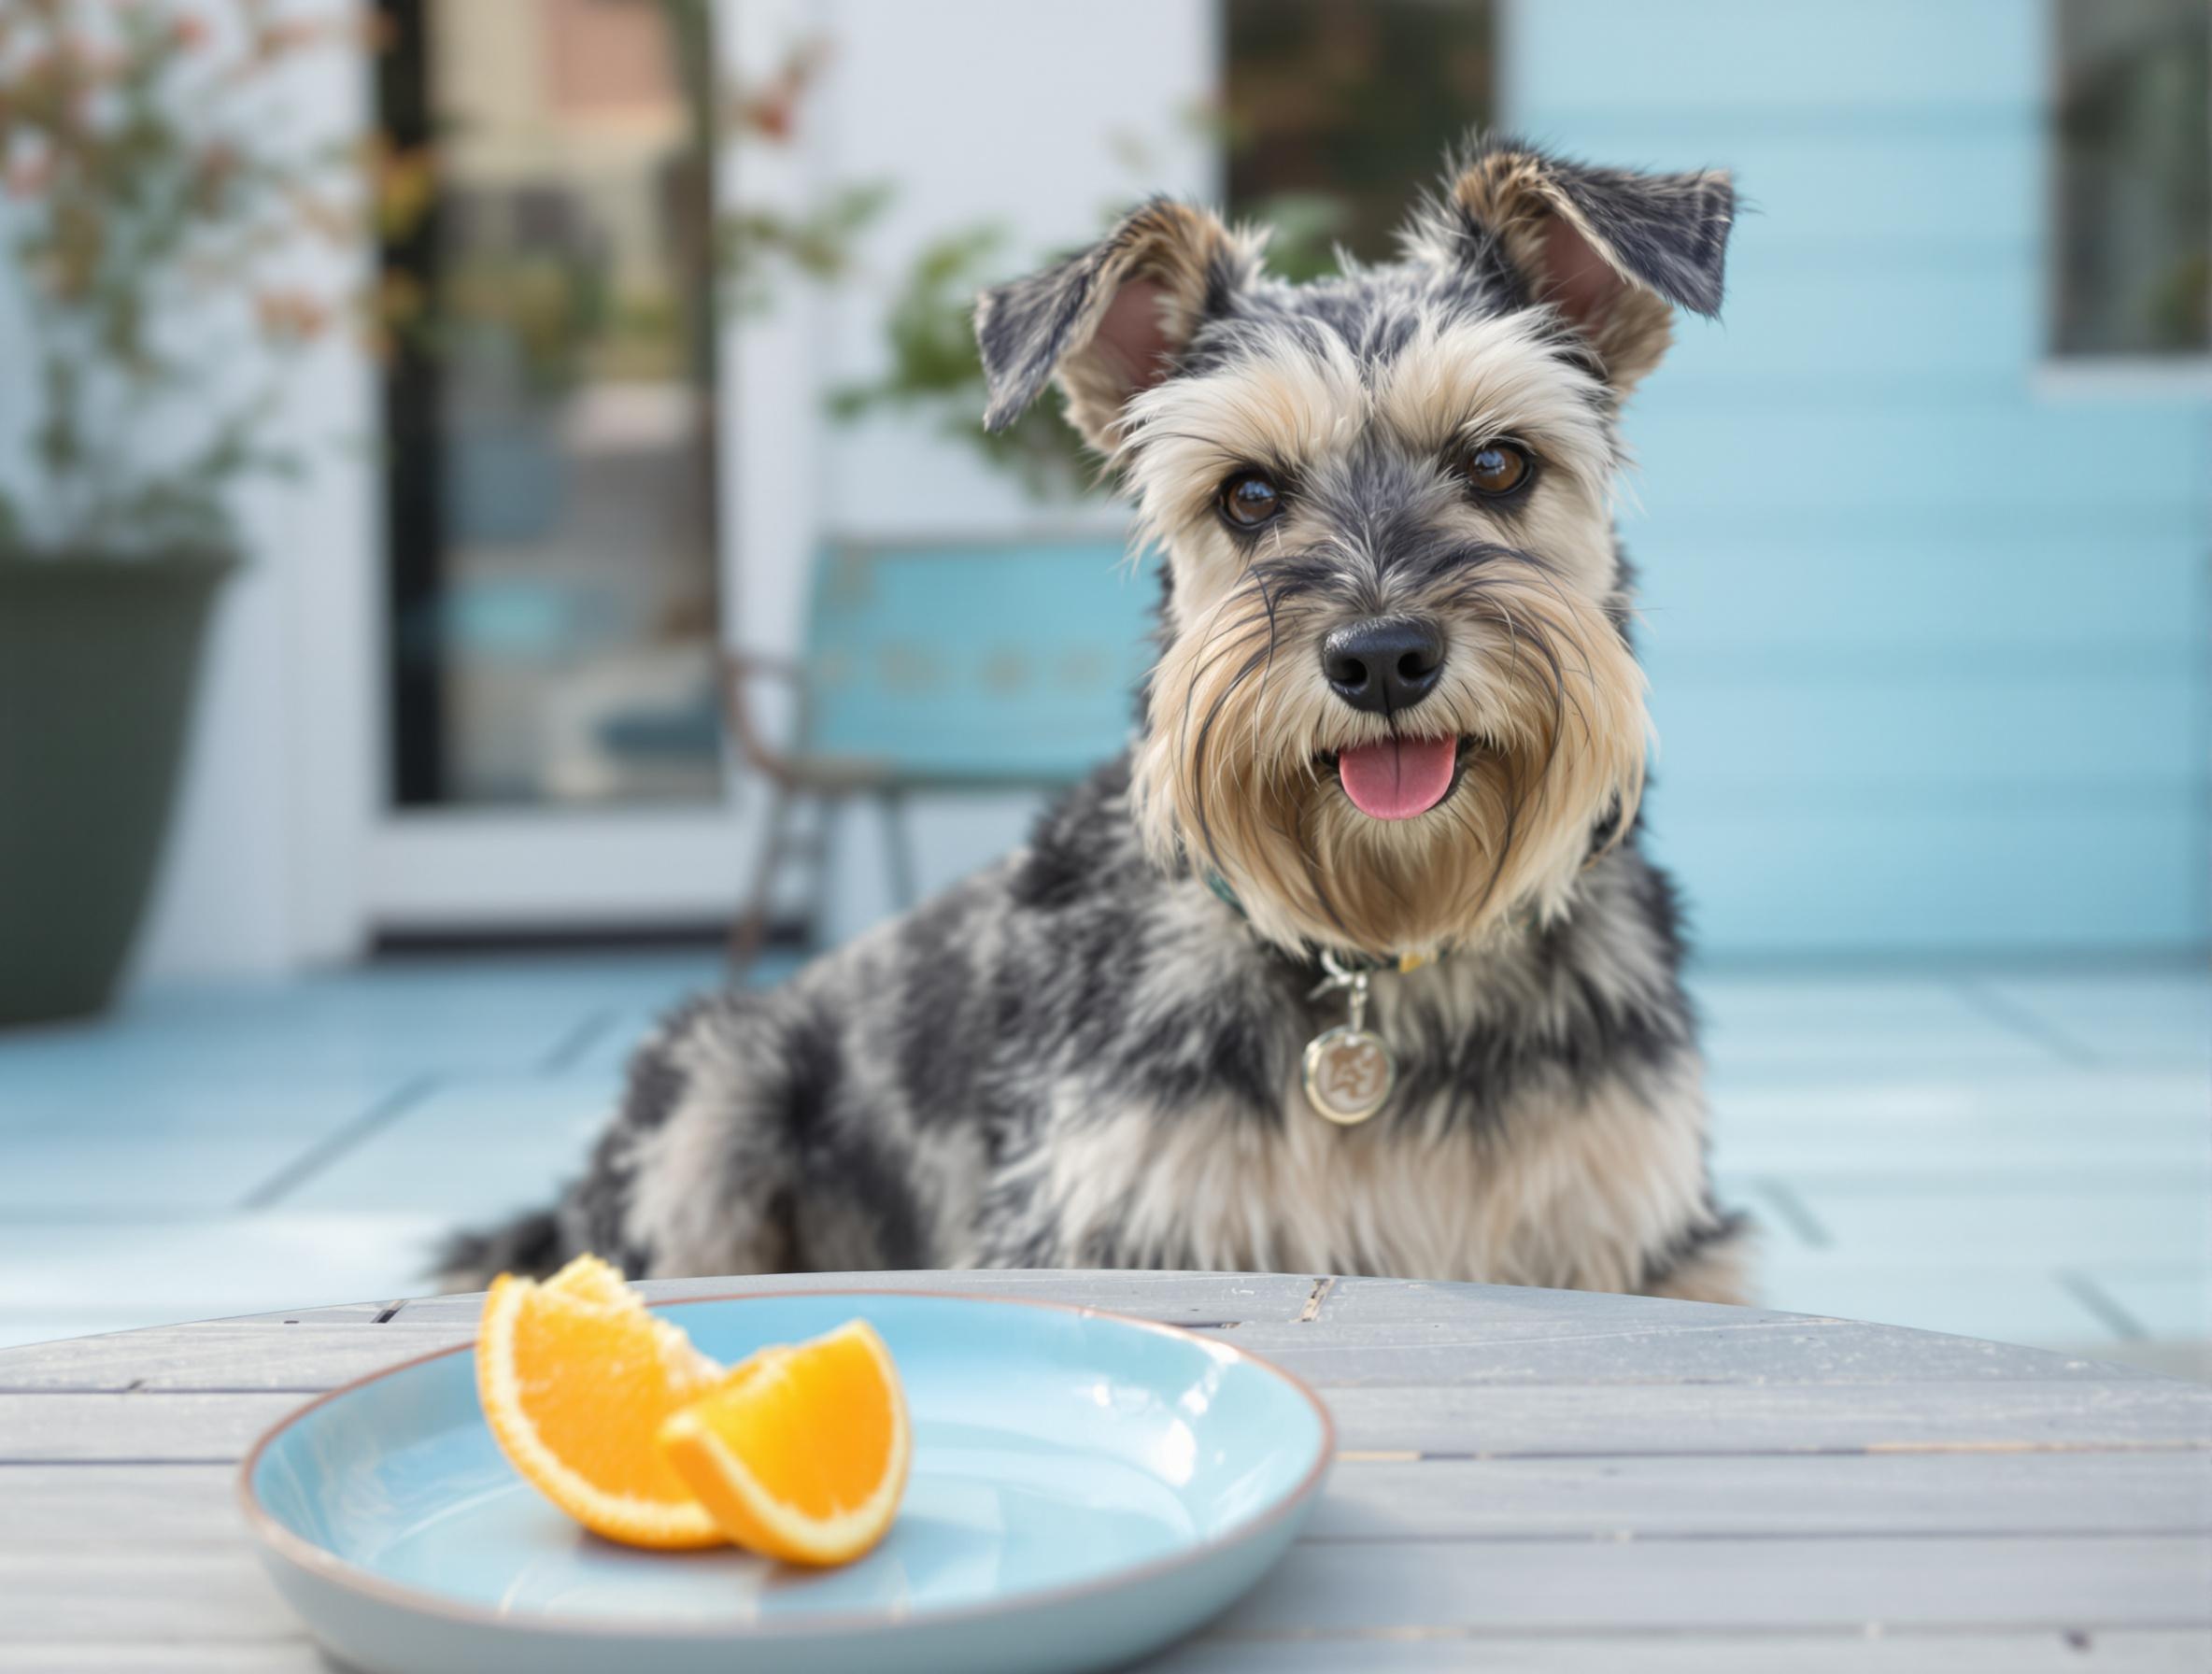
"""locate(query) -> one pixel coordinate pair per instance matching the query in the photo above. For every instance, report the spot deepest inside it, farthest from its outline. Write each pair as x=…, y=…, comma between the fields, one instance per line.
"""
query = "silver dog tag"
x=1348, y=1069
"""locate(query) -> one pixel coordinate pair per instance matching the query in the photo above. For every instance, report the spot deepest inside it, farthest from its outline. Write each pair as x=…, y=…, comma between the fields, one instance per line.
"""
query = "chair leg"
x=817, y=883
x=898, y=847
x=751, y=929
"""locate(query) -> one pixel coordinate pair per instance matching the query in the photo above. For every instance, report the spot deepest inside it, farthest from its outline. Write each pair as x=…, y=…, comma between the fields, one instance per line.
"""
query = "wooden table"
x=1529, y=1479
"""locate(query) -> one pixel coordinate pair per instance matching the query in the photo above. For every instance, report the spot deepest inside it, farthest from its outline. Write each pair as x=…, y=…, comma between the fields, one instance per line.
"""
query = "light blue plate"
x=1086, y=1488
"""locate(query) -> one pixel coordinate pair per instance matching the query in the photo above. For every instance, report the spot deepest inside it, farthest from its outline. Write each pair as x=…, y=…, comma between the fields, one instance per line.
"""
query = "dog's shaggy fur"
x=1090, y=1055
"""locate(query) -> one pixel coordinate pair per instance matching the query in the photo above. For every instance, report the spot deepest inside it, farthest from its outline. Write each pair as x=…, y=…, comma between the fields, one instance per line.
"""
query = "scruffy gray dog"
x=1352, y=964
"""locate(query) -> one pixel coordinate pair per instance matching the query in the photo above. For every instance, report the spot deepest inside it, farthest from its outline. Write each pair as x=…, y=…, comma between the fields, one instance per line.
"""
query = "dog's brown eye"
x=1496, y=467
x=1249, y=498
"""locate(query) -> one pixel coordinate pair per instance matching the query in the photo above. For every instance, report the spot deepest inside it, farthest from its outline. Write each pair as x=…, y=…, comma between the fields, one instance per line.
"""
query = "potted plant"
x=143, y=208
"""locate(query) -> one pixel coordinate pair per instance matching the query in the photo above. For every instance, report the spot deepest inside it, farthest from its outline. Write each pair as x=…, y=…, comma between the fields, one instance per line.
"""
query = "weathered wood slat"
x=313, y=1356
x=1801, y=1351
x=2106, y=1653
x=1502, y=1586
x=208, y=1429
x=2103, y=1653
x=171, y=1592
x=1773, y=1418
x=363, y=1314
x=225, y=1356
x=1505, y=1421
x=1490, y=1586
x=1178, y=1297
x=108, y=1656
x=1811, y=1494
x=122, y=1509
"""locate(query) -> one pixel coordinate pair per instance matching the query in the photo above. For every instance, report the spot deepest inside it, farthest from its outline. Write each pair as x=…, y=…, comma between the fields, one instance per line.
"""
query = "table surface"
x=1529, y=1480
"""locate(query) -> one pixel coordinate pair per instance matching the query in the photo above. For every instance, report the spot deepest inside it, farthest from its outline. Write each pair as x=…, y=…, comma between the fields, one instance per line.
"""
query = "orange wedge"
x=801, y=1452
x=576, y=1379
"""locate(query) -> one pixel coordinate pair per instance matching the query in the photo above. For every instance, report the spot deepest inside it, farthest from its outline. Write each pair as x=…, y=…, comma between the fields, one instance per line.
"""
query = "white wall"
x=1013, y=112
x=264, y=871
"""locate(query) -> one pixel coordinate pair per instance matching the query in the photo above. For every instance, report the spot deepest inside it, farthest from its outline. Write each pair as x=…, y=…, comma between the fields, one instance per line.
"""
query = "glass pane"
x=554, y=556
x=1337, y=110
x=2134, y=148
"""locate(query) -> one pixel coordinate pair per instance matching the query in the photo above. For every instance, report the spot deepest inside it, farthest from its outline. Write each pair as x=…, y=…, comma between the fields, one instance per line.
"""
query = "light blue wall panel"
x=1928, y=642
x=1873, y=592
x=1879, y=879
x=1582, y=57
x=1924, y=728
x=1716, y=456
x=1965, y=182
x=1865, y=316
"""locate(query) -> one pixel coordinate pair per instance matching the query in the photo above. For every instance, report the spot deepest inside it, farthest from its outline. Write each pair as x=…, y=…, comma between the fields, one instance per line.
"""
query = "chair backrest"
x=1015, y=661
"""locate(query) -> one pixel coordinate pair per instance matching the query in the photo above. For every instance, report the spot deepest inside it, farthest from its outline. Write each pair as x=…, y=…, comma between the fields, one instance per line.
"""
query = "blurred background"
x=491, y=497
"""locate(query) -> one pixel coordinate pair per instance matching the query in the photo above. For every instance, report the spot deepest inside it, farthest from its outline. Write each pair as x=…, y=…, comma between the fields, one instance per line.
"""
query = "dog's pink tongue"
x=1398, y=777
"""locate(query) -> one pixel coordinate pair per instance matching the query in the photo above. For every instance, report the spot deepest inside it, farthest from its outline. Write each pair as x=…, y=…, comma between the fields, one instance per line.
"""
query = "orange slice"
x=576, y=1379
x=801, y=1454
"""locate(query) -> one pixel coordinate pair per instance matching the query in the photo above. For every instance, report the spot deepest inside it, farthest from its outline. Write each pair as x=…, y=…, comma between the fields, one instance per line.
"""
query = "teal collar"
x=1363, y=962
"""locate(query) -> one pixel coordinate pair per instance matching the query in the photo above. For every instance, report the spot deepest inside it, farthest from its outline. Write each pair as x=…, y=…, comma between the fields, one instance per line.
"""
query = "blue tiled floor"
x=2009, y=1154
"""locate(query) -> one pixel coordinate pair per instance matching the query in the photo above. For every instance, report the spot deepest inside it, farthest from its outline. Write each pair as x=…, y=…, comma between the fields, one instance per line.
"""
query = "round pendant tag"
x=1348, y=1074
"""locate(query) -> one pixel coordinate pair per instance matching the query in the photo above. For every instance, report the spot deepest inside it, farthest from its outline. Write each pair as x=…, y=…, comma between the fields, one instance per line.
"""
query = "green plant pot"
x=99, y=658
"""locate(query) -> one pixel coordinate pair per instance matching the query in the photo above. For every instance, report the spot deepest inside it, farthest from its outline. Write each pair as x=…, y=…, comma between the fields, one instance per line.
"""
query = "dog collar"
x=1348, y=1071
x=1336, y=964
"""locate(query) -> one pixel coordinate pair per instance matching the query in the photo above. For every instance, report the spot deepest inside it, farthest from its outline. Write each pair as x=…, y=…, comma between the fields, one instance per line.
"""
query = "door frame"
x=458, y=870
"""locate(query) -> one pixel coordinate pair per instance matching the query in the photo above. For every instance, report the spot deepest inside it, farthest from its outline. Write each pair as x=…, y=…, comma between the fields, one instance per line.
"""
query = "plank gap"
x=2102, y=1304
x=1795, y=1214
x=1993, y=1003
x=577, y=1042
x=1629, y=1537
x=318, y=1157
x=1311, y=1311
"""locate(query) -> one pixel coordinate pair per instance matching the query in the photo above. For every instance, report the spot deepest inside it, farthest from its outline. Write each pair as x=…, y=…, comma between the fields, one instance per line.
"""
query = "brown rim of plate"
x=302, y=1553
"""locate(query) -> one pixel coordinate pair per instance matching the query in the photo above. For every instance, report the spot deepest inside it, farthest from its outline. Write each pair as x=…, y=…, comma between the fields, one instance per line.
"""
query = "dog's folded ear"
x=1112, y=320
x=1613, y=249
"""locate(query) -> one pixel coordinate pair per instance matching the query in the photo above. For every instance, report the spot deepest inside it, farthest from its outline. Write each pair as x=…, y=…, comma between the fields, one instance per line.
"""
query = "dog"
x=1354, y=963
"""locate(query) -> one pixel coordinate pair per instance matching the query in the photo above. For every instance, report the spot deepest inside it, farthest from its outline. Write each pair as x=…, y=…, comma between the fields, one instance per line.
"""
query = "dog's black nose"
x=1384, y=664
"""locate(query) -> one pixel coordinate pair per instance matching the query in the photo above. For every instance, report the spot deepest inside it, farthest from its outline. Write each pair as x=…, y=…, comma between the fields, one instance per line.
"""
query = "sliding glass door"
x=553, y=572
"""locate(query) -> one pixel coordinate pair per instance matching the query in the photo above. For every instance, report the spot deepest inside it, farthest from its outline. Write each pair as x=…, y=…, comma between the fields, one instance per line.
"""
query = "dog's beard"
x=1236, y=772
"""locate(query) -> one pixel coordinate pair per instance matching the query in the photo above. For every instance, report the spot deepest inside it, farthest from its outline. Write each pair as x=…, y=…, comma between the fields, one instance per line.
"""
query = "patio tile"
x=2133, y=1019
x=137, y=1053
x=2087, y=1099
x=2023, y=1304
x=149, y=1101
x=2007, y=1125
x=163, y=1271
x=1968, y=1225
x=470, y=1148
x=55, y=1175
x=2166, y=1302
x=1778, y=1025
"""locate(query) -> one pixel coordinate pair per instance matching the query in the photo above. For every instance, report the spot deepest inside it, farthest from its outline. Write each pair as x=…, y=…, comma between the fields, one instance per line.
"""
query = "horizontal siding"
x=1585, y=56
x=1802, y=182
x=1928, y=647
x=1916, y=730
x=1973, y=595
x=1970, y=316
x=1876, y=879
x=1714, y=458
